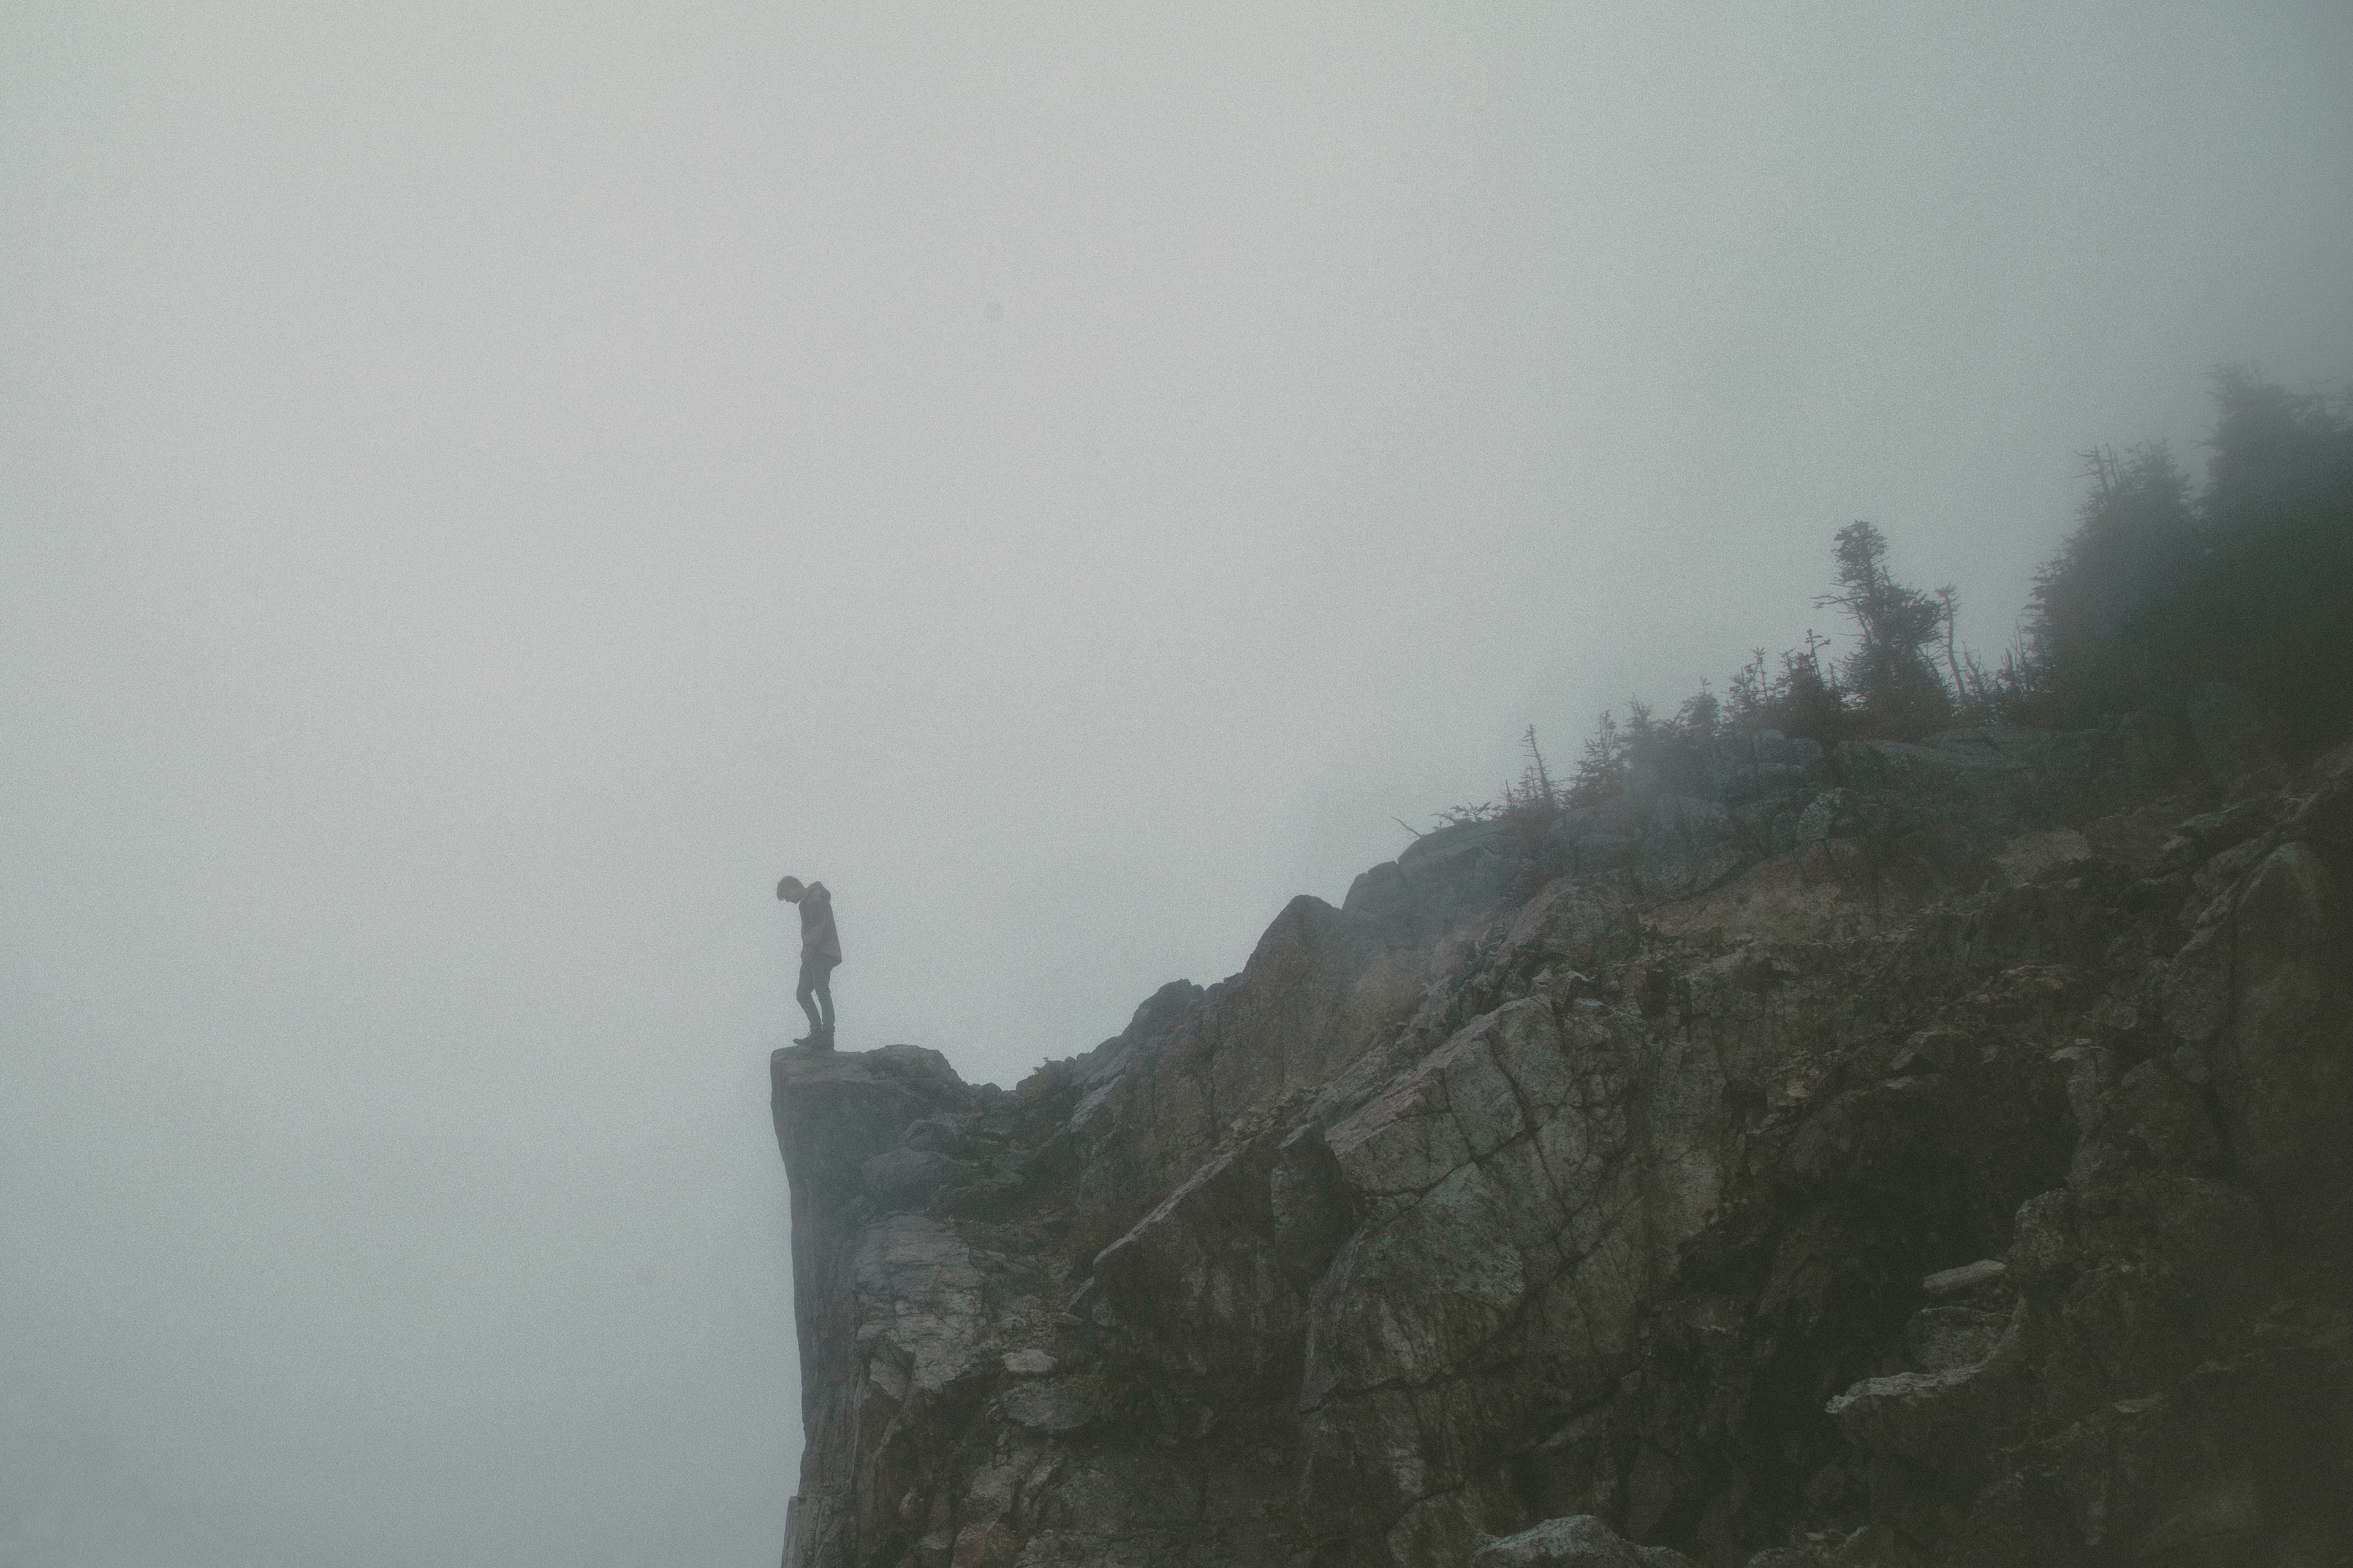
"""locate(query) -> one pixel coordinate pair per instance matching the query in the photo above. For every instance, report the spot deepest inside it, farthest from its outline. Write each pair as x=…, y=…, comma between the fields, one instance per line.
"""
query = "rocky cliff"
x=1925, y=1154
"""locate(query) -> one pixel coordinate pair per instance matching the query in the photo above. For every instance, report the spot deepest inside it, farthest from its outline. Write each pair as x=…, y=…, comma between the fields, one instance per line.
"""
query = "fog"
x=486, y=491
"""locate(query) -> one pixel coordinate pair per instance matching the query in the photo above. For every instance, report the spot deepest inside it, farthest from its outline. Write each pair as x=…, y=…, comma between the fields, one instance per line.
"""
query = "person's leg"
x=825, y=996
x=812, y=986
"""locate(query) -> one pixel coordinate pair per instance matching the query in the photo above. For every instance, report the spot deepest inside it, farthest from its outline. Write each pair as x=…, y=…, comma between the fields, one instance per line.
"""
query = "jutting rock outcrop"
x=1934, y=1154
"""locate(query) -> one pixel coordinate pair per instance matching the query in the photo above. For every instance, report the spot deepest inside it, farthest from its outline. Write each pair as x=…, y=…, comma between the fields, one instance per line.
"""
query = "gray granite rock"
x=1579, y=1542
x=1912, y=1157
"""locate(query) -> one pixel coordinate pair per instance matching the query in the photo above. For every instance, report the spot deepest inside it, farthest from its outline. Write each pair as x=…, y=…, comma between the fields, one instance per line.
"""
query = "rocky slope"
x=1909, y=1156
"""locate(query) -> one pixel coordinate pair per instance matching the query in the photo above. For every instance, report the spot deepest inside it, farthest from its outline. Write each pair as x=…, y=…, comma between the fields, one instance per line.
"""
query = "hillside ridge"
x=1882, y=1154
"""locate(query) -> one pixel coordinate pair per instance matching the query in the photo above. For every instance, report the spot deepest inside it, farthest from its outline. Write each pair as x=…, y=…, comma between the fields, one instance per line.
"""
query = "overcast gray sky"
x=486, y=488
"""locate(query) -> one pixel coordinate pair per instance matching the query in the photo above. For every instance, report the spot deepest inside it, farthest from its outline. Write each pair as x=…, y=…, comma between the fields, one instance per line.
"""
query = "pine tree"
x=1601, y=771
x=1895, y=684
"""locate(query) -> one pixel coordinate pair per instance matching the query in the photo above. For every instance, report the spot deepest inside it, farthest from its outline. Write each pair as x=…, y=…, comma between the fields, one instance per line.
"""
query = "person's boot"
x=823, y=1039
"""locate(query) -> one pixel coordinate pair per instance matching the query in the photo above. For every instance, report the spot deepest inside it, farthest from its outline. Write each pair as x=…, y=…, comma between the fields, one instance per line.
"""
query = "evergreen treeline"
x=2248, y=582
x=2157, y=590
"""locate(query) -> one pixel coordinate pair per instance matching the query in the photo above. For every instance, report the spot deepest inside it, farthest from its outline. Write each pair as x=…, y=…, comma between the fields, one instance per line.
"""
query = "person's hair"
x=792, y=883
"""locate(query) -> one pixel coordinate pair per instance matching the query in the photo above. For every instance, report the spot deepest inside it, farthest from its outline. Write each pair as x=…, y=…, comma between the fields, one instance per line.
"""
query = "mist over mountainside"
x=485, y=490
x=1770, y=1149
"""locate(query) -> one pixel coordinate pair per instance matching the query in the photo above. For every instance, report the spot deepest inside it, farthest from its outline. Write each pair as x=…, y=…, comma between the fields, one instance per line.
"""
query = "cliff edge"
x=1935, y=1154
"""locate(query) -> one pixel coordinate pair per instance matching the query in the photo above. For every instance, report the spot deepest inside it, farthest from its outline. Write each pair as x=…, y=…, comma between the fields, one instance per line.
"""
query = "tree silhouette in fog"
x=2098, y=638
x=1893, y=687
x=2153, y=593
x=2250, y=584
x=2263, y=600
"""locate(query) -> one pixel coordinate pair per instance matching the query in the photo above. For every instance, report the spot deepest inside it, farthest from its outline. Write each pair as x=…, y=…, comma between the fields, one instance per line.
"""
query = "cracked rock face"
x=1904, y=1155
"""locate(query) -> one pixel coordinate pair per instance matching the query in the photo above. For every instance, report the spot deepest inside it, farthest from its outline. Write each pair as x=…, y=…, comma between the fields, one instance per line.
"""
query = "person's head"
x=790, y=889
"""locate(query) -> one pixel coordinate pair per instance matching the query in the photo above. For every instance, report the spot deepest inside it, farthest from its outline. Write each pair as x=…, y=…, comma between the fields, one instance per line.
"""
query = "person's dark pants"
x=815, y=995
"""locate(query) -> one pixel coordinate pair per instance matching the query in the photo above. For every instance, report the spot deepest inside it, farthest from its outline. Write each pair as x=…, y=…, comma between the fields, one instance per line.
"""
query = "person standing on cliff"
x=820, y=950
